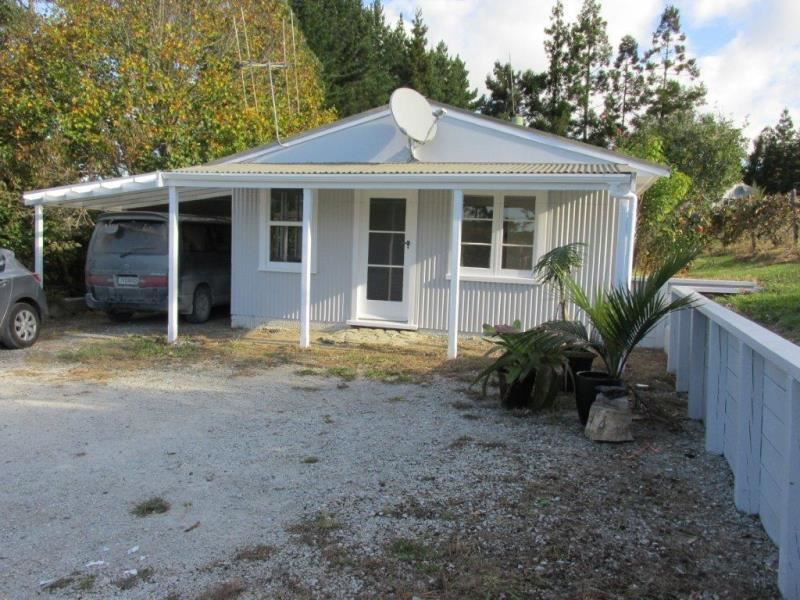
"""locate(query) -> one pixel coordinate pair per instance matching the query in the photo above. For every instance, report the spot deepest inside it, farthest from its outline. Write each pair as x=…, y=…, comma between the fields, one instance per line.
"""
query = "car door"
x=6, y=283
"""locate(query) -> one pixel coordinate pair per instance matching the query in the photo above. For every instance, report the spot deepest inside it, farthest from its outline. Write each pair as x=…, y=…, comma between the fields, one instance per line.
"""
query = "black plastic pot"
x=586, y=384
x=517, y=394
x=578, y=361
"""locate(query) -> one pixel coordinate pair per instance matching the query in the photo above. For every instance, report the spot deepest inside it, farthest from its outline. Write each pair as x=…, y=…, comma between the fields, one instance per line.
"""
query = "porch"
x=328, y=279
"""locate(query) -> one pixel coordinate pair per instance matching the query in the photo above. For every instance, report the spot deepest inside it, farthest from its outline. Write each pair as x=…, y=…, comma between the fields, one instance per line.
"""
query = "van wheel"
x=201, y=305
x=22, y=326
x=119, y=316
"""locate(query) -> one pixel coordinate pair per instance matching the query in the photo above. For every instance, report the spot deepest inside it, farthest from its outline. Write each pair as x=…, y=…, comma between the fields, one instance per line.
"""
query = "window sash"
x=265, y=225
x=498, y=245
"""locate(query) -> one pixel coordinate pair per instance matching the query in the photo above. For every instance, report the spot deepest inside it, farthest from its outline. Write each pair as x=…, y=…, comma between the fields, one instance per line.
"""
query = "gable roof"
x=650, y=168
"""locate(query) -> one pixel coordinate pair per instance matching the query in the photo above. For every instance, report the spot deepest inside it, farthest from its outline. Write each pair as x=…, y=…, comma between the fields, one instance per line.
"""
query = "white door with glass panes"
x=387, y=249
x=502, y=234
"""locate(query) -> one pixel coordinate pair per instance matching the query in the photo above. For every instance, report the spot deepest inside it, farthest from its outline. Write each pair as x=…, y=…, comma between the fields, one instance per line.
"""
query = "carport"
x=123, y=193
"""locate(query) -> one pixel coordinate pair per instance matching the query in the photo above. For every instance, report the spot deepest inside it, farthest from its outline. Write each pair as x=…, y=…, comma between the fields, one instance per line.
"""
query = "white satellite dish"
x=414, y=116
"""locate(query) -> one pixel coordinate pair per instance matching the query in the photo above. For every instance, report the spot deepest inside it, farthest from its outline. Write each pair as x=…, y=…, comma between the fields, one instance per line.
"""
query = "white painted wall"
x=262, y=297
x=744, y=383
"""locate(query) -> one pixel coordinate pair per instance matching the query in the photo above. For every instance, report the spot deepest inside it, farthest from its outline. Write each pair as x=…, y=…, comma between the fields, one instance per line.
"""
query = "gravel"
x=418, y=490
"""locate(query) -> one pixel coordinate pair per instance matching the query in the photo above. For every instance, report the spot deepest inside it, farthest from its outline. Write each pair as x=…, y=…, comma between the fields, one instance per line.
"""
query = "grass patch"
x=152, y=506
x=397, y=399
x=408, y=550
x=85, y=583
x=777, y=305
x=259, y=552
x=316, y=529
x=342, y=372
x=310, y=460
x=306, y=372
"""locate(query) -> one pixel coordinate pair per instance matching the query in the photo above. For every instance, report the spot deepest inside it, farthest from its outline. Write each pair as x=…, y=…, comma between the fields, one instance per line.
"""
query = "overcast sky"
x=748, y=50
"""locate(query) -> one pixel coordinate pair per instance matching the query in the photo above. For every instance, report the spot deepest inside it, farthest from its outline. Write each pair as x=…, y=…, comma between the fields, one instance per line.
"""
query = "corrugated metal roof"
x=411, y=168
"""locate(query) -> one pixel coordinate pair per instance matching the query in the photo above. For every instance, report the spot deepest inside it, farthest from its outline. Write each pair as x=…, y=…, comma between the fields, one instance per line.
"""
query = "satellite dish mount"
x=415, y=117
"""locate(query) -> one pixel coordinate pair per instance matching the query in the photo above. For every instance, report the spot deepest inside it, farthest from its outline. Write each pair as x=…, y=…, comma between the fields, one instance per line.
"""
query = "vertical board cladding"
x=573, y=216
x=261, y=296
x=773, y=448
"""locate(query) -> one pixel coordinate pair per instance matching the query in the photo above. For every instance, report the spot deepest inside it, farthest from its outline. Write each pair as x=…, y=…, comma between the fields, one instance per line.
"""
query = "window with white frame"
x=499, y=234
x=281, y=227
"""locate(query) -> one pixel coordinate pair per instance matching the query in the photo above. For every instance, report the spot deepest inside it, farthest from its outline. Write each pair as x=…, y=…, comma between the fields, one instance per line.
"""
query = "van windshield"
x=130, y=237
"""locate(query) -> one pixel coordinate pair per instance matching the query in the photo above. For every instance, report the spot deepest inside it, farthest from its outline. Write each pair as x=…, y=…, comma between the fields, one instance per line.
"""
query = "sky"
x=748, y=50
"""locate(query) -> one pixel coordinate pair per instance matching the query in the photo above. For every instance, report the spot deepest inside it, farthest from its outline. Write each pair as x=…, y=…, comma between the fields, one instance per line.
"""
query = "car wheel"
x=201, y=305
x=119, y=316
x=22, y=326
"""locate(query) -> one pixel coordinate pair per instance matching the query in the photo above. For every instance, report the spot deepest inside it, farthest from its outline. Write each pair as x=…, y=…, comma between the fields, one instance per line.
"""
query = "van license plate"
x=128, y=280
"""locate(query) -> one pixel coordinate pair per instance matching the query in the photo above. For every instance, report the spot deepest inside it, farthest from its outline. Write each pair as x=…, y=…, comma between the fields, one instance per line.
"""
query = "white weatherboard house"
x=345, y=225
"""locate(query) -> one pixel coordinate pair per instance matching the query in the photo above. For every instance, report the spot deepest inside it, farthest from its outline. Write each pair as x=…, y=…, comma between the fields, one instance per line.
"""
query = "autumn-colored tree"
x=95, y=89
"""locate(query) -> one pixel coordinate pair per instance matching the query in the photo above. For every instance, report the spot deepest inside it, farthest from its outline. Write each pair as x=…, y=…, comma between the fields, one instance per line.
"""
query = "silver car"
x=23, y=306
x=126, y=265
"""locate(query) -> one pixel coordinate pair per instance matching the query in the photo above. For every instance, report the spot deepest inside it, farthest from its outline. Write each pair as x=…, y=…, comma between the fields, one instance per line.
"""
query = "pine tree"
x=774, y=164
x=557, y=109
x=505, y=98
x=420, y=70
x=671, y=74
x=590, y=53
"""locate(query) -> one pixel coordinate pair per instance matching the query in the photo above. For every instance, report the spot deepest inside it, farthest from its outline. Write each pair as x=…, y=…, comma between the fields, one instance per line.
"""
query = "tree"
x=420, y=69
x=556, y=108
x=590, y=52
x=94, y=89
x=505, y=98
x=670, y=74
x=774, y=164
x=626, y=88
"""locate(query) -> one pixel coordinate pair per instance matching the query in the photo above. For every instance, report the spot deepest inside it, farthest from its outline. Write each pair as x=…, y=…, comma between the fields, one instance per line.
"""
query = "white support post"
x=172, y=267
x=626, y=231
x=789, y=542
x=633, y=211
x=305, y=272
x=685, y=356
x=715, y=388
x=697, y=366
x=673, y=330
x=747, y=477
x=38, y=242
x=455, y=264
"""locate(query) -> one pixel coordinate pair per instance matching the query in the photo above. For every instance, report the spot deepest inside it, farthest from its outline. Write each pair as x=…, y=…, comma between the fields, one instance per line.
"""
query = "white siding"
x=259, y=297
x=589, y=217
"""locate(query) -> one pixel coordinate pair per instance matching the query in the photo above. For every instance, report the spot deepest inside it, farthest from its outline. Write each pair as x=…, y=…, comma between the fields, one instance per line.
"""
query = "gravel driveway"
x=282, y=485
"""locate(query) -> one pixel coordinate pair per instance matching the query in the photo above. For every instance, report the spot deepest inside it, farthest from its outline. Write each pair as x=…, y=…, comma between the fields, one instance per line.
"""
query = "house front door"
x=387, y=252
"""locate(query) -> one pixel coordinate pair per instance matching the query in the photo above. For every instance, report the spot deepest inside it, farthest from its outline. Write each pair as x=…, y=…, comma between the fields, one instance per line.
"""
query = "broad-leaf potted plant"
x=555, y=269
x=620, y=318
x=528, y=368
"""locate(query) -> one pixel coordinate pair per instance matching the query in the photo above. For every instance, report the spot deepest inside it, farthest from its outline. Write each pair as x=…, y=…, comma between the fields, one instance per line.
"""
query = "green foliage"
x=620, y=317
x=774, y=163
x=775, y=305
x=364, y=59
x=93, y=89
x=589, y=53
x=670, y=73
x=555, y=267
x=755, y=218
x=537, y=353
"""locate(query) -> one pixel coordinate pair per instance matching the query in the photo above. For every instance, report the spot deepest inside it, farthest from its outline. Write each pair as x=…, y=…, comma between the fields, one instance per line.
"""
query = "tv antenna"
x=246, y=63
x=415, y=117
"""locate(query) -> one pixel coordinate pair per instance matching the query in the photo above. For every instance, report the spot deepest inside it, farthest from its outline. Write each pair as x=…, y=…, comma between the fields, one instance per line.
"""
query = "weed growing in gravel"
x=255, y=553
x=151, y=506
x=85, y=583
x=315, y=529
x=460, y=442
x=328, y=419
x=306, y=372
x=346, y=373
x=397, y=399
x=310, y=460
x=408, y=550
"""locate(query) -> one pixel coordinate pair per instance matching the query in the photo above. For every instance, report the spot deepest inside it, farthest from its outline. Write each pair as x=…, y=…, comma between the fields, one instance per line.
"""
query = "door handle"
x=408, y=243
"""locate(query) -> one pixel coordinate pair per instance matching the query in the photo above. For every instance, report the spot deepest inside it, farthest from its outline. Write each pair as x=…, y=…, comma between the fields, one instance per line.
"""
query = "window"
x=285, y=226
x=281, y=230
x=499, y=234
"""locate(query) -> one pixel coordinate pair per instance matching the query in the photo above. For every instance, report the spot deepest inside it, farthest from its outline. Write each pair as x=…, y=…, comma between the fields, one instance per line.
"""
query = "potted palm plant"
x=620, y=318
x=555, y=269
x=529, y=366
